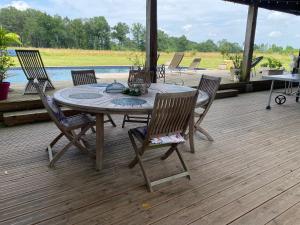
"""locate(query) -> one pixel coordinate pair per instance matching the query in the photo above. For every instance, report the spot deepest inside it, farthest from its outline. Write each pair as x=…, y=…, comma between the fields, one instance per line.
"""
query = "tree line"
x=38, y=29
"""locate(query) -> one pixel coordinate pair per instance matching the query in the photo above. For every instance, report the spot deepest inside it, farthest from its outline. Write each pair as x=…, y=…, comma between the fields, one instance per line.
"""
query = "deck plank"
x=290, y=217
x=251, y=170
x=271, y=208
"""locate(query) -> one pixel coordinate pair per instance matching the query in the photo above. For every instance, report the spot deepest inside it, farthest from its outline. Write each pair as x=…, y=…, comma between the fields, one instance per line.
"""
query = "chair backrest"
x=210, y=85
x=82, y=77
x=177, y=58
x=32, y=64
x=52, y=108
x=194, y=64
x=140, y=76
x=256, y=60
x=171, y=113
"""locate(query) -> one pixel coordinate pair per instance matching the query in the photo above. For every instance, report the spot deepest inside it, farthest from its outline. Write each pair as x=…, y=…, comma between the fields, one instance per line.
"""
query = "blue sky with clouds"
x=197, y=19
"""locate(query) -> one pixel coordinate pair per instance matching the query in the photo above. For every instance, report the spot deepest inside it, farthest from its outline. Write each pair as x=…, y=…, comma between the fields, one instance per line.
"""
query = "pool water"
x=16, y=75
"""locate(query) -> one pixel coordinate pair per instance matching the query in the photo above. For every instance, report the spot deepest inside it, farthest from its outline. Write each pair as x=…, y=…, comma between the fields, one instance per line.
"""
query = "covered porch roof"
x=290, y=6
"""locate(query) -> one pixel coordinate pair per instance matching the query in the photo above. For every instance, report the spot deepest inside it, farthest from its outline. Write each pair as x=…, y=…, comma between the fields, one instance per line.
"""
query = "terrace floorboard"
x=249, y=175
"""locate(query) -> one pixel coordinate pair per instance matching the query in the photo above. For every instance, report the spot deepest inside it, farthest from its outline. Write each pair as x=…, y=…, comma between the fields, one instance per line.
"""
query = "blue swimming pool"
x=16, y=75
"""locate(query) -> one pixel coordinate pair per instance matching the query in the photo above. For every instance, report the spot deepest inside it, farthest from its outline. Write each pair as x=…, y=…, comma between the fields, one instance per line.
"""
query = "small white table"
x=285, y=77
x=94, y=99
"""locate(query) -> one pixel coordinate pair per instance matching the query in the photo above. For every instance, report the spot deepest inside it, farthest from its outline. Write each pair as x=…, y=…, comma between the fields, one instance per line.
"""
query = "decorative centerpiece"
x=115, y=87
x=139, y=81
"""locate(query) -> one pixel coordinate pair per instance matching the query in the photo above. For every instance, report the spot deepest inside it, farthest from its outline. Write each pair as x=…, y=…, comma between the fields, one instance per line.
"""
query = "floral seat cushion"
x=168, y=139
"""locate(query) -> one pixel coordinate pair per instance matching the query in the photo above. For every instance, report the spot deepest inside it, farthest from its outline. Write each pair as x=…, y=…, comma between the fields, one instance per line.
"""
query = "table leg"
x=270, y=95
x=99, y=140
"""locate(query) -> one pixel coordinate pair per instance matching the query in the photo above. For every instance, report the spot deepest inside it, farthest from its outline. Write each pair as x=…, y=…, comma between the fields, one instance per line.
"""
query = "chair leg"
x=168, y=153
x=56, y=140
x=135, y=160
x=124, y=120
x=138, y=160
x=204, y=132
x=148, y=182
x=191, y=135
x=77, y=137
x=111, y=120
x=29, y=88
x=45, y=86
x=182, y=162
x=58, y=155
x=75, y=141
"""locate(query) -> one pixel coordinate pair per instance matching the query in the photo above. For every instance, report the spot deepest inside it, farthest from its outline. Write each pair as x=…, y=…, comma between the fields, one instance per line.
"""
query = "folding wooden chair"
x=195, y=63
x=170, y=118
x=175, y=62
x=210, y=85
x=83, y=77
x=33, y=67
x=161, y=70
x=134, y=74
x=66, y=125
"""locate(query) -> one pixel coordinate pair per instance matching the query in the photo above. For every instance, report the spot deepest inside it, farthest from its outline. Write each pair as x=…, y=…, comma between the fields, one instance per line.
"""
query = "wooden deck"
x=249, y=175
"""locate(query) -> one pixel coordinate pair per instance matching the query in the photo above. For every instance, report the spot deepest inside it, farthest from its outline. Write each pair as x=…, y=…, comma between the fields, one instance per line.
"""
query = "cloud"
x=212, y=34
x=20, y=5
x=198, y=20
x=277, y=16
x=187, y=27
x=275, y=34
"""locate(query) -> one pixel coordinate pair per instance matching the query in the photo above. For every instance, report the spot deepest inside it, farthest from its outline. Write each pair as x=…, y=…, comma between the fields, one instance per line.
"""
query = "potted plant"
x=6, y=61
x=137, y=60
x=235, y=69
x=272, y=67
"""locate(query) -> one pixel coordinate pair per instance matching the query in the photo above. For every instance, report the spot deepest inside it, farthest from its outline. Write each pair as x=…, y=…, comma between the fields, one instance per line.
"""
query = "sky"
x=199, y=20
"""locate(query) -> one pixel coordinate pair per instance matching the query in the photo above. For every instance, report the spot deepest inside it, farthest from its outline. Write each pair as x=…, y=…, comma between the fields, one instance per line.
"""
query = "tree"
x=138, y=32
x=38, y=29
x=120, y=32
x=275, y=48
x=228, y=47
x=182, y=44
x=207, y=46
x=163, y=41
x=12, y=20
x=77, y=35
x=98, y=33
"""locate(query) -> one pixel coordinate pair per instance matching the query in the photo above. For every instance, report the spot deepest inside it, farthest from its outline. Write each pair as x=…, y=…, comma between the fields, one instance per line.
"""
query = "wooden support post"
x=249, y=42
x=151, y=38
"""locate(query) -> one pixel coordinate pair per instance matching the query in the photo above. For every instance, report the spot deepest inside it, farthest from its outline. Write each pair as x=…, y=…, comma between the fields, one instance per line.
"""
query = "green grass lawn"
x=74, y=57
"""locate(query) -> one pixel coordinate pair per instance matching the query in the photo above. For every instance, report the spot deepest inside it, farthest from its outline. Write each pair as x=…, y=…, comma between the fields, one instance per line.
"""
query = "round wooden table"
x=93, y=99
